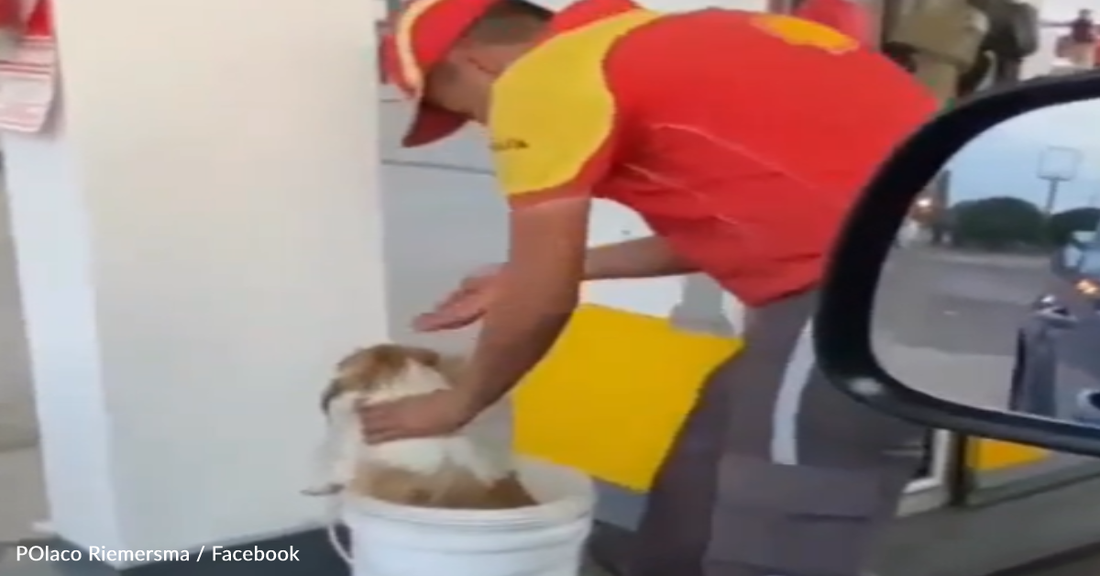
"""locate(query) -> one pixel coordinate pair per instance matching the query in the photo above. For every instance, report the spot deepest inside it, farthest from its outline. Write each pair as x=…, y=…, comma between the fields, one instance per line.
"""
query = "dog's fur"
x=452, y=471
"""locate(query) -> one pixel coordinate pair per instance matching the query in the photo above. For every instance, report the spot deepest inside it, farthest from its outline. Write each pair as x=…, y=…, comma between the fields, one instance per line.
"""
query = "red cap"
x=419, y=36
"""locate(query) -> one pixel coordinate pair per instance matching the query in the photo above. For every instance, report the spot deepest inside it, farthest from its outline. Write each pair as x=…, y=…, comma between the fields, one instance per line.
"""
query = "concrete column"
x=198, y=241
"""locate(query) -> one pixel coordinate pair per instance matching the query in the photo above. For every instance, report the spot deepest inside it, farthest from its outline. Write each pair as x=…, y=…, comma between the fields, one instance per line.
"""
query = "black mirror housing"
x=843, y=324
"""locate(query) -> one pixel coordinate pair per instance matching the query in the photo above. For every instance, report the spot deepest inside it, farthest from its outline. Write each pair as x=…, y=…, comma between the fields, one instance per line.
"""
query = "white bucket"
x=543, y=540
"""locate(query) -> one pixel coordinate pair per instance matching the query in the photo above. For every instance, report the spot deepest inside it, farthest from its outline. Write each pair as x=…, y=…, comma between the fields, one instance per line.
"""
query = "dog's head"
x=368, y=370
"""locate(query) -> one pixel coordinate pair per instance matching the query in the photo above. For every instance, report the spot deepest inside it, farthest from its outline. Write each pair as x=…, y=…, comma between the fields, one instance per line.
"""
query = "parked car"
x=1057, y=370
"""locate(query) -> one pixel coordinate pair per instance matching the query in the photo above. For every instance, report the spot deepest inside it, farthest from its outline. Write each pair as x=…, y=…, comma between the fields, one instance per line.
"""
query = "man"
x=1082, y=33
x=742, y=139
x=1079, y=46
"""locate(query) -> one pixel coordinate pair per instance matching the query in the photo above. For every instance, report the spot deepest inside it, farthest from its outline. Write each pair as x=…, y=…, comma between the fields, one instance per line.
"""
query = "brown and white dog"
x=454, y=471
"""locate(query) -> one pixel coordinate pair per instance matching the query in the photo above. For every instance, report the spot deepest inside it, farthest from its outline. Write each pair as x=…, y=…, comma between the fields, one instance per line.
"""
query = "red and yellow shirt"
x=741, y=138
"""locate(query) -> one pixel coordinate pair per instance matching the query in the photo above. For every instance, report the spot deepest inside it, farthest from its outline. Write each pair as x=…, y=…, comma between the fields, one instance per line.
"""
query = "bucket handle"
x=333, y=493
x=333, y=524
x=334, y=540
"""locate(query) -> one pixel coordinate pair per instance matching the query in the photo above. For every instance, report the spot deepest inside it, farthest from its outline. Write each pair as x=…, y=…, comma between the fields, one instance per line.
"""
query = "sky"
x=1006, y=160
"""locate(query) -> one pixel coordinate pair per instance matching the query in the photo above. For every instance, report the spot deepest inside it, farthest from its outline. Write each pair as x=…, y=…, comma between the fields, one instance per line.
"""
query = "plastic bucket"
x=543, y=540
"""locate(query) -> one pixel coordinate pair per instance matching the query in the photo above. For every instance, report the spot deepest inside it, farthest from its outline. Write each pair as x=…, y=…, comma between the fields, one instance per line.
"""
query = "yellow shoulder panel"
x=552, y=111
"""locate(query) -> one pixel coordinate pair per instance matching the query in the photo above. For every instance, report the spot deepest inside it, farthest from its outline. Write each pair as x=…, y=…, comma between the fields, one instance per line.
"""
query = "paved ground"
x=947, y=323
x=9, y=566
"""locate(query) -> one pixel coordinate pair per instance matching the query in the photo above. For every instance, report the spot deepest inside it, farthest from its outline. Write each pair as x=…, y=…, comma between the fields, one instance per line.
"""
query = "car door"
x=1042, y=333
x=1073, y=318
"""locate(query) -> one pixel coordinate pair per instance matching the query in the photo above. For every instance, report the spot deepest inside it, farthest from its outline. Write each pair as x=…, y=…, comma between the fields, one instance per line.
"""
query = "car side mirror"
x=947, y=301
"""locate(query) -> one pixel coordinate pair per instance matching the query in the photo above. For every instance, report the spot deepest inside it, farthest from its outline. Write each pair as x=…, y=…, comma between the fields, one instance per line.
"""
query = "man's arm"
x=538, y=292
x=641, y=258
x=558, y=138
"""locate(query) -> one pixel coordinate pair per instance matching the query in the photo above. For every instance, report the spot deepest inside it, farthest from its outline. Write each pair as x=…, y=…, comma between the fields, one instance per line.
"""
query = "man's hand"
x=640, y=258
x=435, y=414
x=465, y=305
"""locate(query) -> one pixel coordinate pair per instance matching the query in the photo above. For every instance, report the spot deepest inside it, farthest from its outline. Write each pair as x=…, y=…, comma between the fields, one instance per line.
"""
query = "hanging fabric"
x=28, y=75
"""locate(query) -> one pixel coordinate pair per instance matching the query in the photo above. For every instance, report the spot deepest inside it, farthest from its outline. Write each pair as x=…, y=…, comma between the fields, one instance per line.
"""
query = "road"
x=946, y=322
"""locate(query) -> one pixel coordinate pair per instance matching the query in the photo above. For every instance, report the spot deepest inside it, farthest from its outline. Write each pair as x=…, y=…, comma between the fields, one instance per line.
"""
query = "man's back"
x=748, y=136
x=742, y=138
x=801, y=97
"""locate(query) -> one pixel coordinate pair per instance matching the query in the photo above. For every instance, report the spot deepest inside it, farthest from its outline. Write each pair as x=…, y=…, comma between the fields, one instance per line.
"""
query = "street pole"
x=1052, y=194
x=1057, y=165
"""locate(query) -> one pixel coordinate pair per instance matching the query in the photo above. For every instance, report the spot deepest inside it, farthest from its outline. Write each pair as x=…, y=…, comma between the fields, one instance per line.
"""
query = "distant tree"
x=1061, y=226
x=997, y=223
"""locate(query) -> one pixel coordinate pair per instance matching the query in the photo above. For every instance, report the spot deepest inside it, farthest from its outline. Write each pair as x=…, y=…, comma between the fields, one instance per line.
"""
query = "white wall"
x=198, y=243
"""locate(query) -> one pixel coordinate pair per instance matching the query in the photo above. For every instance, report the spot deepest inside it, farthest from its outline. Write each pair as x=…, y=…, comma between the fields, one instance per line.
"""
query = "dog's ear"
x=349, y=362
x=367, y=367
x=333, y=390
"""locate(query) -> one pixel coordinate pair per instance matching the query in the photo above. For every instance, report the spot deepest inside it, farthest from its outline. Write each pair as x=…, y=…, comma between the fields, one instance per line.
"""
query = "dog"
x=455, y=471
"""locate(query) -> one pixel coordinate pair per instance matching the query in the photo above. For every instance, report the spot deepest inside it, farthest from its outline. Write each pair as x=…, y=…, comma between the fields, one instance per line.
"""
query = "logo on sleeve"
x=507, y=144
x=799, y=32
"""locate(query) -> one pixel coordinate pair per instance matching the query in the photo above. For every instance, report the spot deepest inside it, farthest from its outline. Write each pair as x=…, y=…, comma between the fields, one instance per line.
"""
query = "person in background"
x=1079, y=46
x=743, y=140
x=852, y=17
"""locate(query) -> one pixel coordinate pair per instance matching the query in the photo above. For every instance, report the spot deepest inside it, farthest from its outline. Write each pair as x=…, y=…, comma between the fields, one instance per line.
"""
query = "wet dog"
x=455, y=471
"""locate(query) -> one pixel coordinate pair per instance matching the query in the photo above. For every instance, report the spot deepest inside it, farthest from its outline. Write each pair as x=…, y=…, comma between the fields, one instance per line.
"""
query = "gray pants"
x=775, y=472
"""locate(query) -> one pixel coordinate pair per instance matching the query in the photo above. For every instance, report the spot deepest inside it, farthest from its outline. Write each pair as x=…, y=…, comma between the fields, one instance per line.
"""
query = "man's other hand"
x=435, y=414
x=463, y=306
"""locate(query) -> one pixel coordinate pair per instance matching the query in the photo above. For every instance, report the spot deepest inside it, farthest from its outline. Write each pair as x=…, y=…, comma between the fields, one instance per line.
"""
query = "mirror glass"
x=991, y=296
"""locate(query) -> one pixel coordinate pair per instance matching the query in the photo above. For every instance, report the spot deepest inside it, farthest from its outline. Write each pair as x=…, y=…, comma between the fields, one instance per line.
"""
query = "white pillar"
x=198, y=242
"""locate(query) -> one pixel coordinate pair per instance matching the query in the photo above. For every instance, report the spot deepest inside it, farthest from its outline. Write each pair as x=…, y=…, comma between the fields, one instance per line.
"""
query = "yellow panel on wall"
x=988, y=455
x=612, y=394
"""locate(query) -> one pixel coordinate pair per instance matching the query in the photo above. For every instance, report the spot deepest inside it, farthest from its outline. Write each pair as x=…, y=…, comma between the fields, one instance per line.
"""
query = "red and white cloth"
x=28, y=68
